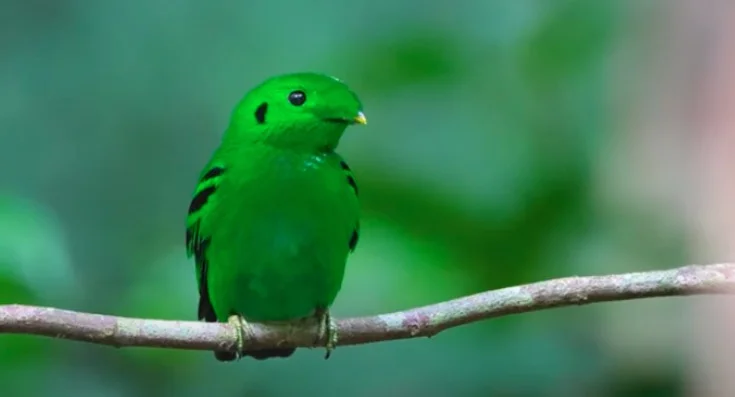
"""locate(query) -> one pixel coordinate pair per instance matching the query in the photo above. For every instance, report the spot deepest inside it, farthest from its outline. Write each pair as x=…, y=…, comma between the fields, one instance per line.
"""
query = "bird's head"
x=307, y=111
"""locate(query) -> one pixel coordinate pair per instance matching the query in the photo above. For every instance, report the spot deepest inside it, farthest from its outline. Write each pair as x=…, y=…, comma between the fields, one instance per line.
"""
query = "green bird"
x=275, y=212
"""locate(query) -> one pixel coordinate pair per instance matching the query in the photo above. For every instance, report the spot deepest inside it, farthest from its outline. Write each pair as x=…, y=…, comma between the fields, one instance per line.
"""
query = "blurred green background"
x=492, y=125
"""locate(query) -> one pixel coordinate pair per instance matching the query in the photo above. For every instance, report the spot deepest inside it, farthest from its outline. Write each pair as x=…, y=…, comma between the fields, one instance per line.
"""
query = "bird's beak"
x=360, y=118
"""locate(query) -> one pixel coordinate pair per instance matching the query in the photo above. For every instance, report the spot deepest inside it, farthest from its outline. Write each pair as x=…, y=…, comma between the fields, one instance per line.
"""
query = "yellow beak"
x=360, y=118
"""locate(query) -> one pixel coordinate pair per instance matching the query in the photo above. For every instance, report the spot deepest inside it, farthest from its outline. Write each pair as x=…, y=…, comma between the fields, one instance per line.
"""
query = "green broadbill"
x=275, y=212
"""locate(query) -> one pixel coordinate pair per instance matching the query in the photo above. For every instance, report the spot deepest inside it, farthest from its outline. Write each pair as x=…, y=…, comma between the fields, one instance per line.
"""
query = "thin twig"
x=419, y=322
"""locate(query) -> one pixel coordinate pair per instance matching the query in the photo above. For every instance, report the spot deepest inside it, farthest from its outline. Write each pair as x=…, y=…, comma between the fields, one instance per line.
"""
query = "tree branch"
x=424, y=321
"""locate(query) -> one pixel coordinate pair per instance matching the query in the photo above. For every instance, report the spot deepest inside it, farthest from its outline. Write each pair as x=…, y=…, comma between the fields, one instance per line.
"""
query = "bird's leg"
x=241, y=329
x=327, y=330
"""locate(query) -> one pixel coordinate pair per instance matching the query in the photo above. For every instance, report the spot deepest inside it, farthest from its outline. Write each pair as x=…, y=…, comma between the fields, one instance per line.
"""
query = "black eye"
x=297, y=98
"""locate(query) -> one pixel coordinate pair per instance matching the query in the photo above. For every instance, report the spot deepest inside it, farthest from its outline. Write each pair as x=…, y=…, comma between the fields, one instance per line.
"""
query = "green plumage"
x=275, y=213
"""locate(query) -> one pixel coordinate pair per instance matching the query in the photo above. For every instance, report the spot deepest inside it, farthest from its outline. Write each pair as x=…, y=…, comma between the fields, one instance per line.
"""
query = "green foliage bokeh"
x=476, y=171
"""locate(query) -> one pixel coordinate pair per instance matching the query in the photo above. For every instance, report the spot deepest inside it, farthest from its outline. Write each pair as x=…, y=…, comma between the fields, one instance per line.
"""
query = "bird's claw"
x=328, y=331
x=241, y=328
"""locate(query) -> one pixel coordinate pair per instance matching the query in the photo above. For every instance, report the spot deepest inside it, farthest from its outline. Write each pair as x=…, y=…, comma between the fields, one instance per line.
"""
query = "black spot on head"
x=200, y=199
x=260, y=112
x=344, y=165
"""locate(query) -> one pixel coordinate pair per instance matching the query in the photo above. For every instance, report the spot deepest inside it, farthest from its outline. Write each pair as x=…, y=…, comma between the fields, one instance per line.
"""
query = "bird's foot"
x=241, y=330
x=327, y=330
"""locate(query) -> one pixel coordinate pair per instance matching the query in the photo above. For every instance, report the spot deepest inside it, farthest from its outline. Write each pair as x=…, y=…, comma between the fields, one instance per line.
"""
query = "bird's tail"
x=256, y=354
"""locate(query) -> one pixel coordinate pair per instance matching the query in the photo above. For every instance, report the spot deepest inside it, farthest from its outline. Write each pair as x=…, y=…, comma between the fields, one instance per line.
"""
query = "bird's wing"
x=197, y=239
x=350, y=178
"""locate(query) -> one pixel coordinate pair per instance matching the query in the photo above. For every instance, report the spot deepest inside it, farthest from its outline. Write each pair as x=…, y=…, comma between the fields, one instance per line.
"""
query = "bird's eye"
x=297, y=98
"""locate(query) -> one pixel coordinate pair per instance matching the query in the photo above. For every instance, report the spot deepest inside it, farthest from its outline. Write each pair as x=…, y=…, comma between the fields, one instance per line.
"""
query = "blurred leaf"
x=488, y=120
x=164, y=288
x=495, y=250
x=33, y=249
x=411, y=57
x=575, y=34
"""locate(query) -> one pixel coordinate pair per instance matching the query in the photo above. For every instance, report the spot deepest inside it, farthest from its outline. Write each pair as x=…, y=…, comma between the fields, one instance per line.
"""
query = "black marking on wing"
x=260, y=112
x=355, y=237
x=197, y=244
x=213, y=173
x=205, y=311
x=201, y=198
x=351, y=181
x=350, y=178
